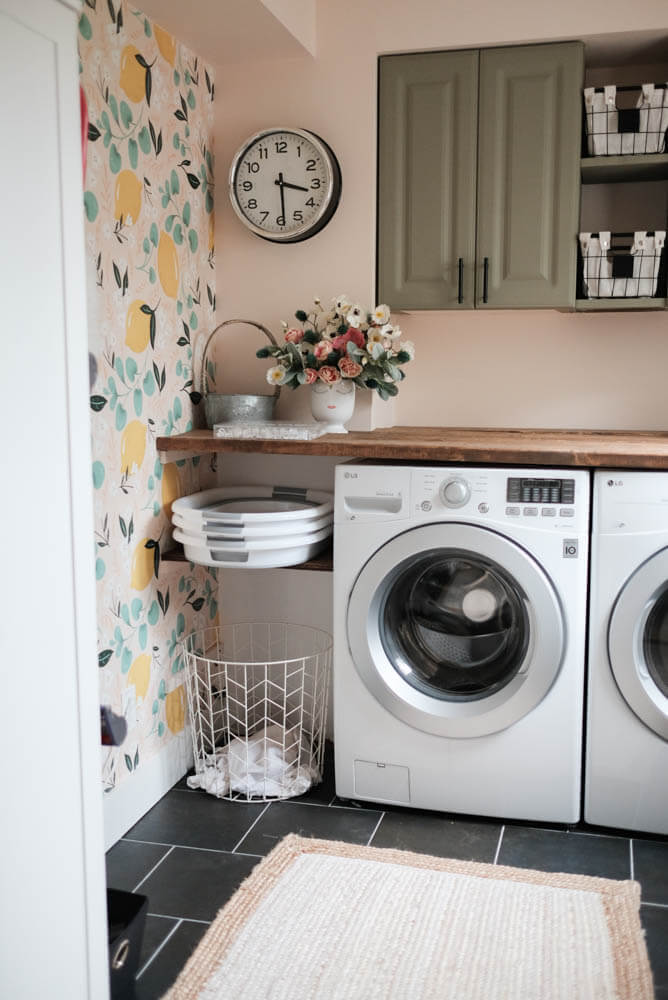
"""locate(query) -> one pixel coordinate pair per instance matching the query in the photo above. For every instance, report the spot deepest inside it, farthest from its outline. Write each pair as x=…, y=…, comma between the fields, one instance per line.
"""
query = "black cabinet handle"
x=485, y=278
x=460, y=280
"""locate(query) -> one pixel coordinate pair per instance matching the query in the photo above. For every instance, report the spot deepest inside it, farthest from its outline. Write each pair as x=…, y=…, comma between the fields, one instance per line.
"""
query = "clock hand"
x=295, y=187
x=280, y=183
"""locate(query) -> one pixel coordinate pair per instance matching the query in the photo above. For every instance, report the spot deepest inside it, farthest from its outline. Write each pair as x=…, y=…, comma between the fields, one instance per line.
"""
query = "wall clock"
x=285, y=184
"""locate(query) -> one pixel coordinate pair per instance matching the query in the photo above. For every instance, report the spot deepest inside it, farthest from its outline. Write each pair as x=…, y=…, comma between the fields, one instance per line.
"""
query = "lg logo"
x=351, y=475
x=570, y=550
x=615, y=482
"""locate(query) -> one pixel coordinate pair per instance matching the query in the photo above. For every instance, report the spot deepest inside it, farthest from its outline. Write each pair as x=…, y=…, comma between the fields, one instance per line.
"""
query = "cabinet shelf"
x=622, y=169
x=619, y=305
x=321, y=563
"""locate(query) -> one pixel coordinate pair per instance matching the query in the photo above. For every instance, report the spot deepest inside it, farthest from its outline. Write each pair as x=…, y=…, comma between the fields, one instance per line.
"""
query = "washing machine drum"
x=455, y=629
x=638, y=642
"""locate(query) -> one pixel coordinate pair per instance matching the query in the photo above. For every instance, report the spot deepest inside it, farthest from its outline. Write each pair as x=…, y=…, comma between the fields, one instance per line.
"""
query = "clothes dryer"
x=459, y=633
x=626, y=763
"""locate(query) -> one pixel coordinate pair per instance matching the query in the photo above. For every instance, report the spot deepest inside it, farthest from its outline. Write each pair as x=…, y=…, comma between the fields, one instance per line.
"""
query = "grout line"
x=498, y=846
x=333, y=801
x=256, y=820
x=375, y=829
x=187, y=920
x=659, y=906
x=190, y=847
x=632, y=866
x=157, y=865
x=158, y=950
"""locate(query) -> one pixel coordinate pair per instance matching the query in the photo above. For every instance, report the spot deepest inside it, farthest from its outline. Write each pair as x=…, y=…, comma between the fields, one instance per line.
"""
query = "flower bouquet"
x=344, y=342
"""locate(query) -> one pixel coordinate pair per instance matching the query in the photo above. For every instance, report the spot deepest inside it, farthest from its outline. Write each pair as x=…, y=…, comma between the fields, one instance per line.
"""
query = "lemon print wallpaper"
x=149, y=208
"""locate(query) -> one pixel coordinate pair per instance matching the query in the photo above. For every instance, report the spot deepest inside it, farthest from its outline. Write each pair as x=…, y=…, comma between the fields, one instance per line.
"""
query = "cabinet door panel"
x=528, y=175
x=426, y=179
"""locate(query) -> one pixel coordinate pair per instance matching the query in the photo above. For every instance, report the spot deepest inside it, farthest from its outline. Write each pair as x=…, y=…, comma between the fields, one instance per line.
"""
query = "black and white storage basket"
x=615, y=130
x=622, y=265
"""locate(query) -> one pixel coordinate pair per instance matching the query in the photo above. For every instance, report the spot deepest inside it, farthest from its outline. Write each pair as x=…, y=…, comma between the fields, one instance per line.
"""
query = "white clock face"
x=285, y=184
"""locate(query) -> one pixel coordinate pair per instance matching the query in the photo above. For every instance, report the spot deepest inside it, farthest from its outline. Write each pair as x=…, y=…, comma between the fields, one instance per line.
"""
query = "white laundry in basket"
x=598, y=268
x=259, y=766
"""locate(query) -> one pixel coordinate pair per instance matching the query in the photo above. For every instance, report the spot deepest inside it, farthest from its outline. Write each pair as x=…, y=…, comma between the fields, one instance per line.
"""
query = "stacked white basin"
x=253, y=526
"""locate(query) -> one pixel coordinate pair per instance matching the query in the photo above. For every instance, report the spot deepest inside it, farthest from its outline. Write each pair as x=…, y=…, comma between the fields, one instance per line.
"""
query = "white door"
x=638, y=642
x=53, y=935
x=455, y=629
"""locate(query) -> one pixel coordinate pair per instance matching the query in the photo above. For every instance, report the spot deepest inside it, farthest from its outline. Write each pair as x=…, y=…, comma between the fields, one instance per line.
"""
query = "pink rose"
x=356, y=336
x=349, y=368
x=322, y=350
x=339, y=343
x=311, y=376
x=294, y=335
x=329, y=375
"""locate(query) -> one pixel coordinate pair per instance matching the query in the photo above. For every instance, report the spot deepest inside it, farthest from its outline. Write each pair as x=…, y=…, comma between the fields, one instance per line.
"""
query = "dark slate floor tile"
x=430, y=833
x=560, y=851
x=128, y=863
x=156, y=930
x=167, y=964
x=655, y=922
x=194, y=820
x=650, y=868
x=194, y=883
x=281, y=818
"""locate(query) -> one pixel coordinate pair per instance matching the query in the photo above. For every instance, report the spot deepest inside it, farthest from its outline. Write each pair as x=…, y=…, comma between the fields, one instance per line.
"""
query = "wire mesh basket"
x=622, y=265
x=622, y=121
x=257, y=698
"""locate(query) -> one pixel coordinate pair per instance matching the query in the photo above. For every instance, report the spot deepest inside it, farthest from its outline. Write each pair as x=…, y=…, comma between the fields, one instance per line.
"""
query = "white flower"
x=355, y=316
x=277, y=375
x=387, y=330
x=374, y=337
x=341, y=304
x=284, y=324
x=381, y=315
x=396, y=333
x=409, y=347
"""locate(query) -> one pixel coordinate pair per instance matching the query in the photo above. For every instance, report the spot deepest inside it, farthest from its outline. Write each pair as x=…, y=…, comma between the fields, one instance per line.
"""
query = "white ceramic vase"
x=333, y=404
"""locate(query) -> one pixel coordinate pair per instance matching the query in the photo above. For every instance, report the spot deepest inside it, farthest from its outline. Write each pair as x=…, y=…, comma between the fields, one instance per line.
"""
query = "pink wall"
x=521, y=368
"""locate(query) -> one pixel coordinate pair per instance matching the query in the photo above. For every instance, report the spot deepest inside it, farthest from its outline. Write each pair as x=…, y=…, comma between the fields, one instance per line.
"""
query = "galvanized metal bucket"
x=236, y=408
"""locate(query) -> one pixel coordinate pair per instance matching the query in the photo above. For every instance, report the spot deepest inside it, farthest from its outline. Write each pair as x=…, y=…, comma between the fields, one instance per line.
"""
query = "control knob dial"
x=455, y=492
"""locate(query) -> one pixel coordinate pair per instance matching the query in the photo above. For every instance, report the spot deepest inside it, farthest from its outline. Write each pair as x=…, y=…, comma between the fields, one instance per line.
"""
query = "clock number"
x=280, y=220
x=315, y=183
x=310, y=164
x=252, y=167
x=299, y=151
x=262, y=152
x=297, y=216
x=252, y=203
x=264, y=215
x=247, y=186
x=310, y=203
x=281, y=147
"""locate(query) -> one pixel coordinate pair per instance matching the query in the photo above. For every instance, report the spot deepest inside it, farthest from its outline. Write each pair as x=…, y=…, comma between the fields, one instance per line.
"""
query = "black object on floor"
x=126, y=916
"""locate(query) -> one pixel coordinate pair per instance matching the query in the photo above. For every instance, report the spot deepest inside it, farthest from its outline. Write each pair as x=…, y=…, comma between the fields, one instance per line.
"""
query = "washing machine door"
x=638, y=642
x=455, y=629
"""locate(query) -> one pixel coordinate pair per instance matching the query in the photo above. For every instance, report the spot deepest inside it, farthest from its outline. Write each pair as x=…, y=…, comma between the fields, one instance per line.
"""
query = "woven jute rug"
x=332, y=921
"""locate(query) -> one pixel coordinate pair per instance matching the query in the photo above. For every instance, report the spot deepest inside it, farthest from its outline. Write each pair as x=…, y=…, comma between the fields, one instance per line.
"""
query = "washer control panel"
x=540, y=491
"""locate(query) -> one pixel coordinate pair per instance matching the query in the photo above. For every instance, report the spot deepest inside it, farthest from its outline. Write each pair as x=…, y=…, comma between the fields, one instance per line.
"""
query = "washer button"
x=483, y=508
x=549, y=512
x=426, y=505
x=530, y=511
x=512, y=511
x=566, y=512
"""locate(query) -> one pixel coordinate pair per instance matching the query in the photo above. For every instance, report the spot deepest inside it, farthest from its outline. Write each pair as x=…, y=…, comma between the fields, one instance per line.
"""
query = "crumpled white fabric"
x=258, y=766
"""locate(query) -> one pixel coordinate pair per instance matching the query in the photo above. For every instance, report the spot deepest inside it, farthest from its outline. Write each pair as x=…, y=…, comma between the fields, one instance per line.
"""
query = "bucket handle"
x=228, y=322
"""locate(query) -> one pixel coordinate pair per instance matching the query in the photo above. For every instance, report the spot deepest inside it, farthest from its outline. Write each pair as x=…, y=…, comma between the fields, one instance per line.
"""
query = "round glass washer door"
x=455, y=629
x=638, y=642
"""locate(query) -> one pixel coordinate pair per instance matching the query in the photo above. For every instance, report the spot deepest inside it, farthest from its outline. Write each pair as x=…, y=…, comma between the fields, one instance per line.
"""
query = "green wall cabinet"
x=479, y=177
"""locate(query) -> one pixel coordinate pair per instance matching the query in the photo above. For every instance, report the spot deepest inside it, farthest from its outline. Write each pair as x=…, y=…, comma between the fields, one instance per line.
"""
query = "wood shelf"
x=623, y=169
x=475, y=445
x=319, y=564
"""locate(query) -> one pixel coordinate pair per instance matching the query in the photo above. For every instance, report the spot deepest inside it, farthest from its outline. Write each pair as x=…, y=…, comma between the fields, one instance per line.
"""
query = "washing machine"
x=459, y=633
x=626, y=762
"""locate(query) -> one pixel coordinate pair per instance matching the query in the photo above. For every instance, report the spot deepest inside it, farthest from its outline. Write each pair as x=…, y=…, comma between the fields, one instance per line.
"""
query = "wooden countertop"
x=486, y=446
